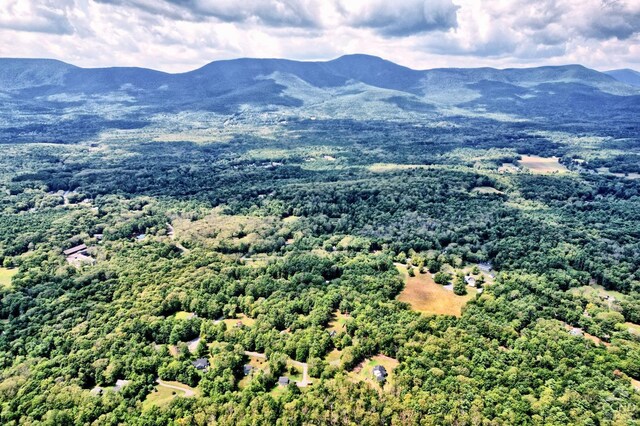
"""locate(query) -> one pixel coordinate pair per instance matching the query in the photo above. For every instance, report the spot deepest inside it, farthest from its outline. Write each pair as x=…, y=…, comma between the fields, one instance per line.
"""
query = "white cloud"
x=178, y=35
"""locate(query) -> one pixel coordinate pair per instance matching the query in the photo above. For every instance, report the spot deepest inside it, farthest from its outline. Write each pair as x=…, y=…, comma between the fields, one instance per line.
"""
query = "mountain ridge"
x=351, y=86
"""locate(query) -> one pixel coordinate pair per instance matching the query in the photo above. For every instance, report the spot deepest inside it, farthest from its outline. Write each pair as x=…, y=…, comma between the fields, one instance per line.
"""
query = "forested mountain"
x=627, y=76
x=265, y=241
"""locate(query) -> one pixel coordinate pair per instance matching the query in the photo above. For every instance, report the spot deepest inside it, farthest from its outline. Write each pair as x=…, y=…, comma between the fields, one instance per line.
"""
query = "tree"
x=442, y=278
x=460, y=286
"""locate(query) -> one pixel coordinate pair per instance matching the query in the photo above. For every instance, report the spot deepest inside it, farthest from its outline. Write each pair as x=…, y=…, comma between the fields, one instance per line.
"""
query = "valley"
x=351, y=241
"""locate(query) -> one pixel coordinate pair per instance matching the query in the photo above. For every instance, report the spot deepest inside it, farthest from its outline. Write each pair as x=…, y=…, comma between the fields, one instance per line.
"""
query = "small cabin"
x=380, y=373
x=283, y=381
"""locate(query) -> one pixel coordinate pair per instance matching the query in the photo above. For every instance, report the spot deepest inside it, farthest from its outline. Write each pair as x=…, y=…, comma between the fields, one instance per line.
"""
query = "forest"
x=275, y=258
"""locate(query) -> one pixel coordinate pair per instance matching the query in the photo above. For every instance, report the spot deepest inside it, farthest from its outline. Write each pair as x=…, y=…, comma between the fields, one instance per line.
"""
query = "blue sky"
x=179, y=35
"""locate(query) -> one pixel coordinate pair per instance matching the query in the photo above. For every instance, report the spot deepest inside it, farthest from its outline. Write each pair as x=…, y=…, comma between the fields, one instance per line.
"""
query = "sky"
x=181, y=35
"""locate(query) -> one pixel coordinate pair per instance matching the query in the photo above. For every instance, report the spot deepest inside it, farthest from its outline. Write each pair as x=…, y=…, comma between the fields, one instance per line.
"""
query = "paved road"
x=187, y=392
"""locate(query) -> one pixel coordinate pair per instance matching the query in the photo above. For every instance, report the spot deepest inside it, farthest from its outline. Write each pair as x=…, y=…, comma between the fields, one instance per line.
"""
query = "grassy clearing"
x=6, y=275
x=333, y=357
x=217, y=228
x=183, y=315
x=425, y=296
x=596, y=293
x=605, y=171
x=162, y=395
x=389, y=167
x=233, y=322
x=542, y=165
x=633, y=328
x=338, y=322
x=364, y=371
x=486, y=190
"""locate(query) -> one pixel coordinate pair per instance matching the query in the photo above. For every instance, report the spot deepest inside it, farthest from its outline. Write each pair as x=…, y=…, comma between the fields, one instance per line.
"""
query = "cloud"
x=180, y=35
x=613, y=19
x=275, y=13
x=400, y=18
x=46, y=16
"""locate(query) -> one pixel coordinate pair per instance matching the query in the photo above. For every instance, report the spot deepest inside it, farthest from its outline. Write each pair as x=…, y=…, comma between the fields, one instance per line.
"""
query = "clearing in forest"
x=184, y=315
x=390, y=167
x=165, y=392
x=240, y=319
x=425, y=296
x=486, y=190
x=5, y=276
x=338, y=323
x=606, y=171
x=541, y=165
x=364, y=370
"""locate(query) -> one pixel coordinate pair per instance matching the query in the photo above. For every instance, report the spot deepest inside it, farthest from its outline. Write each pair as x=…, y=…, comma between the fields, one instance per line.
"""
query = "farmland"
x=541, y=165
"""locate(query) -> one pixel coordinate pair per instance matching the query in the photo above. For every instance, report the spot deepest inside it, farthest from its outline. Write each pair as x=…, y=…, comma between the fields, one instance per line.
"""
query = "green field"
x=6, y=275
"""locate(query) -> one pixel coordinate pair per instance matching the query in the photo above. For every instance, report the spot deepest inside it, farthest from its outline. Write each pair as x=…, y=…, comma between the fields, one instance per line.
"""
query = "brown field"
x=541, y=165
x=364, y=371
x=486, y=190
x=427, y=297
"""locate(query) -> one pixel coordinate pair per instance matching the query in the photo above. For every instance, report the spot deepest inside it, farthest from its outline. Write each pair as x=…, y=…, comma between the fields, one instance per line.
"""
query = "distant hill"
x=352, y=86
x=626, y=75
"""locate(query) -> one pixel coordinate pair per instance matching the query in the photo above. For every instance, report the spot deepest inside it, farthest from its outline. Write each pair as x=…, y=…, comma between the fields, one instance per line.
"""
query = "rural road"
x=305, y=368
x=187, y=392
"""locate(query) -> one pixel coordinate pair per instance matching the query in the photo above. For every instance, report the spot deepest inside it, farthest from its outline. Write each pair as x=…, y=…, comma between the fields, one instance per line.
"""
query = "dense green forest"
x=281, y=253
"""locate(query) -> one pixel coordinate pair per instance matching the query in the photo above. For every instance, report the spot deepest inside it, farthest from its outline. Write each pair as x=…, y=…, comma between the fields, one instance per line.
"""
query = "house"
x=120, y=384
x=76, y=249
x=380, y=373
x=247, y=369
x=576, y=332
x=470, y=280
x=201, y=363
x=485, y=266
x=98, y=236
x=239, y=324
x=283, y=381
x=332, y=333
x=141, y=237
x=96, y=391
x=80, y=259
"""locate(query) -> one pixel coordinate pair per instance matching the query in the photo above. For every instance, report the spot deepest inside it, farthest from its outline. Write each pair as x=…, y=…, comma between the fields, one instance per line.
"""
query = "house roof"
x=200, y=363
x=75, y=249
x=283, y=380
x=247, y=369
x=379, y=371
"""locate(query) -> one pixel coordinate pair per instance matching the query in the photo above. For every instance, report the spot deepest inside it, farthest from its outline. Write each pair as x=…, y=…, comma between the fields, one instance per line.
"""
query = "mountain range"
x=353, y=86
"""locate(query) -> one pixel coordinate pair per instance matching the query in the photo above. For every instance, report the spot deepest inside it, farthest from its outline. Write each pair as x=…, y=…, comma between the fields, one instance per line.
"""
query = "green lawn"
x=163, y=395
x=160, y=396
x=183, y=315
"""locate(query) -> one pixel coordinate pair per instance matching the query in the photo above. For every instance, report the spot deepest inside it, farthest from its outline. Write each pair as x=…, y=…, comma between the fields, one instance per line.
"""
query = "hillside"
x=264, y=83
x=626, y=76
x=272, y=242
